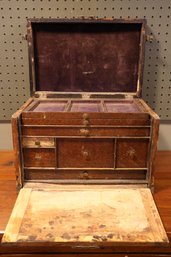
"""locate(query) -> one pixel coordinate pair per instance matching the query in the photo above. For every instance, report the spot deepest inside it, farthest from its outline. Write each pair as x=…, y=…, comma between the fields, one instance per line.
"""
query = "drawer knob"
x=37, y=143
x=85, y=122
x=85, y=116
x=38, y=157
x=85, y=175
x=84, y=132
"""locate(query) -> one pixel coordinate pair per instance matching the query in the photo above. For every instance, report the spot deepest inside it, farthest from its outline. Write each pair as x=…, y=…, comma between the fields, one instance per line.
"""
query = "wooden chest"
x=85, y=141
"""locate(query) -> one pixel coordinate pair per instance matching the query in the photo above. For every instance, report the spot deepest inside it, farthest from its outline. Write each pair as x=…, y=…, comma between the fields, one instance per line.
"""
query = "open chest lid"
x=86, y=55
x=84, y=216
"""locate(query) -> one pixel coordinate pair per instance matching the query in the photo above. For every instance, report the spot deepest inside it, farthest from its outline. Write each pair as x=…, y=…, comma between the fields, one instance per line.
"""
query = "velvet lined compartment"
x=87, y=106
x=86, y=57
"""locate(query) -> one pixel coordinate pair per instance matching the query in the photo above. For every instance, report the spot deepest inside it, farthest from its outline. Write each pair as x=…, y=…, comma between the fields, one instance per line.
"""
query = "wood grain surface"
x=85, y=214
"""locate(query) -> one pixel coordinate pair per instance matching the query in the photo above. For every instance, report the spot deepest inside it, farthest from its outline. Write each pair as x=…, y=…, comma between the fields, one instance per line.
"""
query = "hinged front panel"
x=86, y=55
x=95, y=215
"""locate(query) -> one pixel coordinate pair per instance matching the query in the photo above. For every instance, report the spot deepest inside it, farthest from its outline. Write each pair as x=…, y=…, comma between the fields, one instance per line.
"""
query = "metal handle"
x=37, y=143
x=85, y=122
x=85, y=116
x=84, y=175
x=85, y=119
x=84, y=132
x=149, y=38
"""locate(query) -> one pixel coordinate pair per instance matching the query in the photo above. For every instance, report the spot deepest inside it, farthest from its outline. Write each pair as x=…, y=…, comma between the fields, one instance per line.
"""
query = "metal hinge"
x=24, y=37
x=149, y=38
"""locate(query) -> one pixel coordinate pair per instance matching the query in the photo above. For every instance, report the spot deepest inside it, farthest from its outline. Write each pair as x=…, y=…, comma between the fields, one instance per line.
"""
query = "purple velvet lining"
x=50, y=107
x=122, y=107
x=86, y=57
x=87, y=106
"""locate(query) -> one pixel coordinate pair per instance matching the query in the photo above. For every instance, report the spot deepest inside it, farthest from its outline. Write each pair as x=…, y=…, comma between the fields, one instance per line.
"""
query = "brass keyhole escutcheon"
x=131, y=153
x=85, y=154
x=38, y=157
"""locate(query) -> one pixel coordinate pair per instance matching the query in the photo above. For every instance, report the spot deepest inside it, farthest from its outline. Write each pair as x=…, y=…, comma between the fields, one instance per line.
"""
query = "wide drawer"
x=87, y=122
x=83, y=174
x=86, y=132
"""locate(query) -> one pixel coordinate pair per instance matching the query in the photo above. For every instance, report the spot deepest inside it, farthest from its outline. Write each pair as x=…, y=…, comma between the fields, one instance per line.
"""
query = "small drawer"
x=39, y=157
x=38, y=142
x=132, y=153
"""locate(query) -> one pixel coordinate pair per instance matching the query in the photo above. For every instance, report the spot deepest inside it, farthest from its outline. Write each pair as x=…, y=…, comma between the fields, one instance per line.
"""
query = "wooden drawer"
x=38, y=142
x=86, y=132
x=88, y=122
x=44, y=174
x=39, y=157
x=85, y=153
x=132, y=153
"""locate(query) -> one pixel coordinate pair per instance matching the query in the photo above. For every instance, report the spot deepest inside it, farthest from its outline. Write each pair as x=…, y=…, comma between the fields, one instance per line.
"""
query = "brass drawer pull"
x=85, y=119
x=86, y=122
x=84, y=175
x=85, y=116
x=84, y=132
x=37, y=143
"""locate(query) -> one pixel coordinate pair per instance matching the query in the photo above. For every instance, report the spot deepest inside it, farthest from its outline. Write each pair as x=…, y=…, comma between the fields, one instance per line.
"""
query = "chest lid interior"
x=91, y=215
x=96, y=56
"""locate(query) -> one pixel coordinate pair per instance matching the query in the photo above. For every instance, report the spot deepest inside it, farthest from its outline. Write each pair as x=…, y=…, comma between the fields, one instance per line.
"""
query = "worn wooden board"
x=85, y=214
